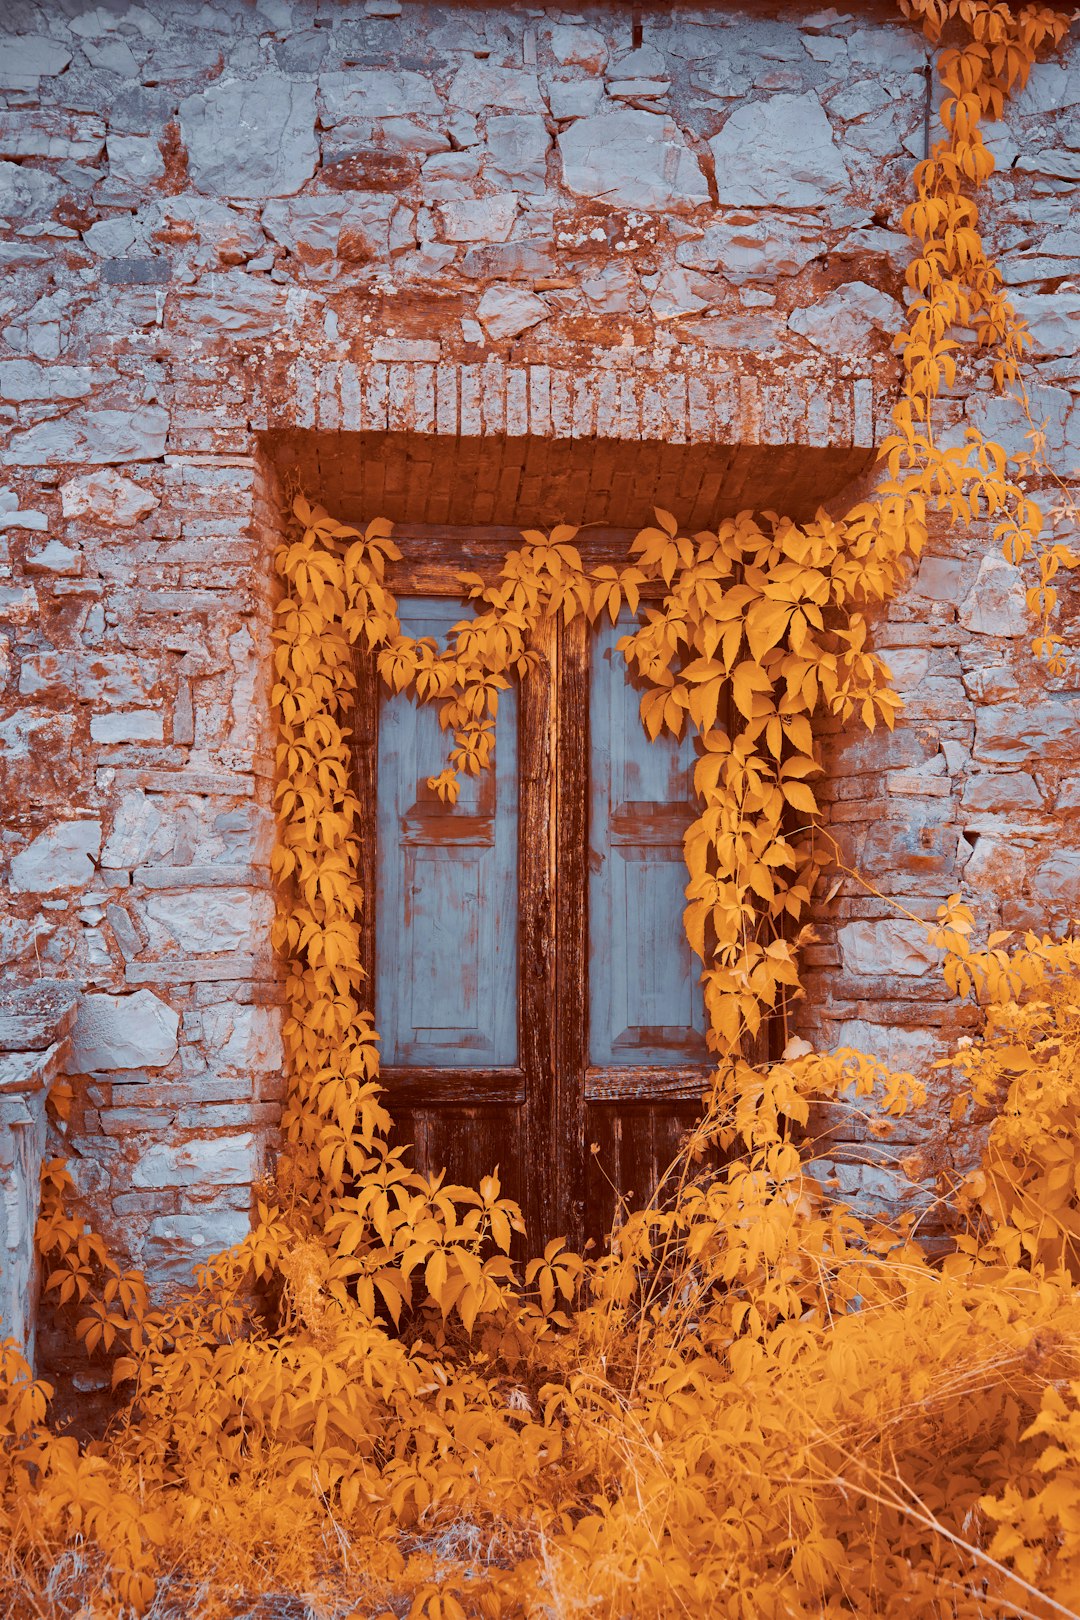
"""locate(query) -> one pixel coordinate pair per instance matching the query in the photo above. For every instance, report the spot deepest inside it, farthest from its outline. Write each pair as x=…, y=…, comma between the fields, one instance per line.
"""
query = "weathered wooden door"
x=537, y=1001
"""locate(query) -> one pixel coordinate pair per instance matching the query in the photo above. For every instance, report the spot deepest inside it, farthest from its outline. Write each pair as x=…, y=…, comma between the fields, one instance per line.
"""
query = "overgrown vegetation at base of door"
x=757, y=1404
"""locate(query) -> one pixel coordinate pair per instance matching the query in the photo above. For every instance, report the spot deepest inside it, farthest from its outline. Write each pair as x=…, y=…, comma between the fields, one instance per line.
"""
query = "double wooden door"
x=537, y=1002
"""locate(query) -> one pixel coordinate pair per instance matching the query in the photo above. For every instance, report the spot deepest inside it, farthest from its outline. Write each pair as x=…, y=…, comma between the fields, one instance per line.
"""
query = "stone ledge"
x=34, y=1017
x=27, y=1072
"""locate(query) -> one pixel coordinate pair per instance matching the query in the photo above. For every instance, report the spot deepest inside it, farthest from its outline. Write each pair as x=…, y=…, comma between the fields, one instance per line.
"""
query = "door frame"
x=553, y=1083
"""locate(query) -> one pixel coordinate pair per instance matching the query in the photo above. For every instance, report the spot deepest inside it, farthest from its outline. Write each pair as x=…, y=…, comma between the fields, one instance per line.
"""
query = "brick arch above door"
x=503, y=444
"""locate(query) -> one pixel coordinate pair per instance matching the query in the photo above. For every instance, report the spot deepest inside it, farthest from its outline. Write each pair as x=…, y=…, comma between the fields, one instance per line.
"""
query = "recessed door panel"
x=645, y=1000
x=447, y=890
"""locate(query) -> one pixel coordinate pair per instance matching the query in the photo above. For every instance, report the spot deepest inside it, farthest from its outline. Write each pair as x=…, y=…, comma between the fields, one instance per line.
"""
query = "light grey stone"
x=134, y=160
x=12, y=516
x=323, y=229
x=209, y=920
x=895, y=946
x=893, y=48
x=518, y=145
x=55, y=558
x=98, y=436
x=243, y=1038
x=1001, y=791
x=505, y=310
x=509, y=261
x=579, y=47
x=480, y=219
x=637, y=89
x=1057, y=881
x=61, y=857
x=678, y=292
x=778, y=153
x=903, y=1051
x=610, y=290
x=212, y=1161
x=27, y=58
x=1052, y=257
x=842, y=321
x=858, y=99
x=631, y=159
x=234, y=302
x=893, y=246
x=941, y=579
x=1042, y=731
x=1051, y=87
x=131, y=725
x=107, y=498
x=251, y=137
x=574, y=98
x=478, y=86
x=1053, y=320
x=123, y=1032
x=406, y=135
x=113, y=56
x=995, y=867
x=1051, y=161
x=756, y=246
x=375, y=93
x=826, y=48
x=113, y=238
x=27, y=379
x=411, y=350
x=209, y=1232
x=646, y=62
x=761, y=334
x=47, y=132
x=995, y=605
x=18, y=604
x=140, y=832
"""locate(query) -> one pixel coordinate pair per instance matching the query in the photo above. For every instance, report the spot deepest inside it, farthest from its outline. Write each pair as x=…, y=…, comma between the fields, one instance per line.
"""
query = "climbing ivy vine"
x=756, y=1405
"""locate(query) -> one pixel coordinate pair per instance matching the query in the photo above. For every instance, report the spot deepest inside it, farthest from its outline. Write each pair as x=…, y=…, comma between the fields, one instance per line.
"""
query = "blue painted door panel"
x=645, y=1001
x=447, y=893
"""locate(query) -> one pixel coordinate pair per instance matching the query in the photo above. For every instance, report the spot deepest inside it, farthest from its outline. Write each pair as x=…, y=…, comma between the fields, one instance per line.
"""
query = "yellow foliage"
x=756, y=1404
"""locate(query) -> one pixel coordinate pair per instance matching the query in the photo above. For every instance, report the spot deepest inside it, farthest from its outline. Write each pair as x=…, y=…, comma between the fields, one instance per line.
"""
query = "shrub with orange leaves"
x=757, y=1403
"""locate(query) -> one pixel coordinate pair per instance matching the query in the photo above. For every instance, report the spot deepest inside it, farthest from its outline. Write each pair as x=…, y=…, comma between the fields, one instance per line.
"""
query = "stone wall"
x=587, y=260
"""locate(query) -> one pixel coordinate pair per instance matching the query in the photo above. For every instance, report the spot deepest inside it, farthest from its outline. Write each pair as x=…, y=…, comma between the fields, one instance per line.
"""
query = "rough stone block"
x=1056, y=881
x=25, y=59
x=1039, y=732
x=98, y=436
x=579, y=46
x=251, y=138
x=134, y=160
x=130, y=725
x=244, y=1038
x=478, y=219
x=213, y=1161
x=203, y=921
x=61, y=857
x=123, y=1032
x=845, y=319
x=1001, y=790
x=778, y=152
x=632, y=159
x=895, y=946
x=506, y=310
x=47, y=132
x=518, y=145
x=482, y=85
x=375, y=93
x=107, y=498
x=208, y=1232
x=995, y=605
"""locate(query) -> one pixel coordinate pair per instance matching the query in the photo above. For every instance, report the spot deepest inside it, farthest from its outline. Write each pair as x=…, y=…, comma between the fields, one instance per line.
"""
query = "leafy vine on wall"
x=701, y=1421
